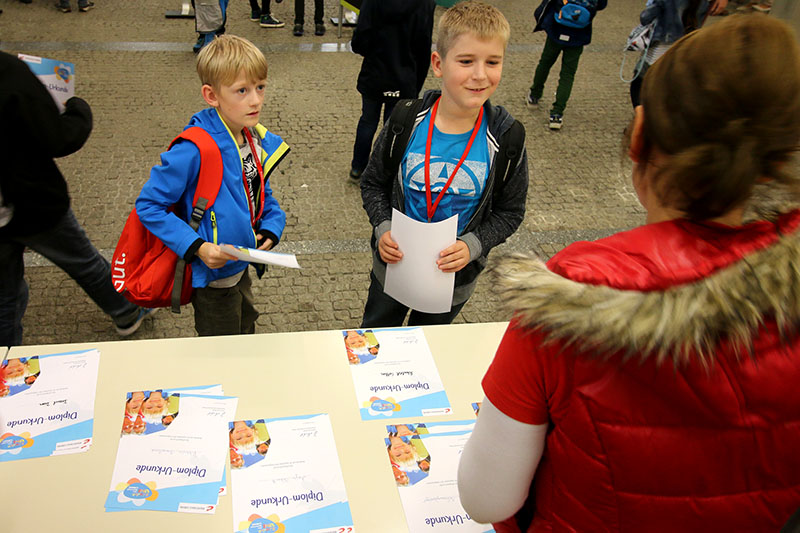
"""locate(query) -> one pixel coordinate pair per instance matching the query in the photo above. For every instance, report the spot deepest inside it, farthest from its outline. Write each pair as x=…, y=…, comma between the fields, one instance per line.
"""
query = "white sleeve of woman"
x=498, y=464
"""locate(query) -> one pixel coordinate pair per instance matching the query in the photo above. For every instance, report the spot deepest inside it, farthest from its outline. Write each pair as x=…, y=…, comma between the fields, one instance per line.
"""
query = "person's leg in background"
x=548, y=57
x=319, y=18
x=267, y=20
x=67, y=246
x=570, y=57
x=381, y=310
x=365, y=132
x=13, y=293
x=299, y=17
x=418, y=318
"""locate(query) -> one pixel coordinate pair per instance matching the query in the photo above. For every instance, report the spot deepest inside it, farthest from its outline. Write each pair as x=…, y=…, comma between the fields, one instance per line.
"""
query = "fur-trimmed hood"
x=596, y=295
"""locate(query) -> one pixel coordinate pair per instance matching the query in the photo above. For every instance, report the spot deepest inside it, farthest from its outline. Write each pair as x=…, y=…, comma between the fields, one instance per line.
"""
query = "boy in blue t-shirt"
x=234, y=76
x=456, y=123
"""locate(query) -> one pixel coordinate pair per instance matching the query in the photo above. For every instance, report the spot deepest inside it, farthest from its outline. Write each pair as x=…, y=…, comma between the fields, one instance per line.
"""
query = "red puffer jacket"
x=666, y=360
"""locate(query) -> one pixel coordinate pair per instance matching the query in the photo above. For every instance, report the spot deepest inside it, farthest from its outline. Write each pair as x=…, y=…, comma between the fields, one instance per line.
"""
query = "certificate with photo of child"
x=47, y=404
x=424, y=461
x=285, y=476
x=172, y=451
x=394, y=373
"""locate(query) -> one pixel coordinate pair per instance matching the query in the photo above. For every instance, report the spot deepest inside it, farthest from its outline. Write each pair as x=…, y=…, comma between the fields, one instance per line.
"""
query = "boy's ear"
x=637, y=136
x=436, y=64
x=209, y=95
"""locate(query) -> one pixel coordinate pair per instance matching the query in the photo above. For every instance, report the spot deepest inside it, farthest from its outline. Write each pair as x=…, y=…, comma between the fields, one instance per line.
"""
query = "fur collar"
x=681, y=323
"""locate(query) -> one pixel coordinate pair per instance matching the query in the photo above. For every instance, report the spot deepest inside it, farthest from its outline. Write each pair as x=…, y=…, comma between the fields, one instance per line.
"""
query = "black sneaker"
x=85, y=7
x=298, y=30
x=355, y=175
x=268, y=21
x=64, y=8
x=556, y=121
x=255, y=15
x=530, y=101
x=319, y=29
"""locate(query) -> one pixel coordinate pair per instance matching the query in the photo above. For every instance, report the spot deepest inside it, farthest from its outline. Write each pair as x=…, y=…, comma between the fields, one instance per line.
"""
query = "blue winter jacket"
x=174, y=181
x=563, y=35
x=667, y=14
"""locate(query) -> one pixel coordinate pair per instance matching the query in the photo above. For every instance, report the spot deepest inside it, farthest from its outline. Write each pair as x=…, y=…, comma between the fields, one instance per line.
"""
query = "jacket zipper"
x=214, y=226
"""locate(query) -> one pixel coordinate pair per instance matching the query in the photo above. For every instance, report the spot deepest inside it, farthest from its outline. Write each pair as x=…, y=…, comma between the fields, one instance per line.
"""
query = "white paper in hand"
x=416, y=280
x=261, y=256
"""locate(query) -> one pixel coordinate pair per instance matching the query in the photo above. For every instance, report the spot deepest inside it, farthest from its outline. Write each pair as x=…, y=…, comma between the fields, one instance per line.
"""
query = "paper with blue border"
x=432, y=503
x=58, y=77
x=47, y=404
x=296, y=485
x=400, y=379
x=180, y=468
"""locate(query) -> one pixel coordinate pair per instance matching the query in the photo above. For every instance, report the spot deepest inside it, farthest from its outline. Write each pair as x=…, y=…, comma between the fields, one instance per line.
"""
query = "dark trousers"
x=264, y=6
x=66, y=246
x=367, y=126
x=300, y=9
x=229, y=311
x=383, y=311
x=569, y=65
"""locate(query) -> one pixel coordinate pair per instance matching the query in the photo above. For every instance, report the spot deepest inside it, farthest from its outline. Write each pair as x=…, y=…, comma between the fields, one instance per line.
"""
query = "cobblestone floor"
x=136, y=69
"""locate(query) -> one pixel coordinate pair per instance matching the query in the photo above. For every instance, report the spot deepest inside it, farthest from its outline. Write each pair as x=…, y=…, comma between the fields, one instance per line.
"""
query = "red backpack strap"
x=208, y=185
x=210, y=177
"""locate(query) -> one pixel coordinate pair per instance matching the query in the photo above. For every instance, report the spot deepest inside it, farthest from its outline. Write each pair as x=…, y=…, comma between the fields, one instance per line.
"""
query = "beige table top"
x=274, y=375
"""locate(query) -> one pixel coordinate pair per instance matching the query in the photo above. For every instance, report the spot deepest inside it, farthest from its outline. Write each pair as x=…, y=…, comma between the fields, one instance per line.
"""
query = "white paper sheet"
x=172, y=458
x=47, y=405
x=261, y=256
x=424, y=461
x=416, y=280
x=394, y=373
x=285, y=475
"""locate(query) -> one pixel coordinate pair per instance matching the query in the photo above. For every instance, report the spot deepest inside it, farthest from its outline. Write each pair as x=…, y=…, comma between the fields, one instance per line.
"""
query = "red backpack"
x=144, y=270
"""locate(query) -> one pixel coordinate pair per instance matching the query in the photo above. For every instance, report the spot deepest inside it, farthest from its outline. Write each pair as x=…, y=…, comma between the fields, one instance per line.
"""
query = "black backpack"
x=401, y=123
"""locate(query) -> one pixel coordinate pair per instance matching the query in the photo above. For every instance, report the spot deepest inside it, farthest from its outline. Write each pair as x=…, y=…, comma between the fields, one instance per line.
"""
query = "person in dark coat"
x=34, y=202
x=394, y=36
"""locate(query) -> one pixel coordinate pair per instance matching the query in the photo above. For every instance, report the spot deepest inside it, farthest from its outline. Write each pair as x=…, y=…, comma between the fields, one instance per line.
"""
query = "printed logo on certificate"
x=394, y=373
x=424, y=461
x=286, y=476
x=47, y=404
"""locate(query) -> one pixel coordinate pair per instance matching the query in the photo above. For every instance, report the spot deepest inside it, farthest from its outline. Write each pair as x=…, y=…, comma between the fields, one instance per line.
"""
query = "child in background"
x=394, y=36
x=561, y=39
x=469, y=59
x=234, y=76
x=674, y=19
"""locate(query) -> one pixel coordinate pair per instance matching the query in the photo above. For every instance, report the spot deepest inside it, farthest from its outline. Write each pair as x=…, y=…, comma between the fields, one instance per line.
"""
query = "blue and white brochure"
x=173, y=457
x=394, y=373
x=58, y=77
x=47, y=404
x=424, y=460
x=285, y=476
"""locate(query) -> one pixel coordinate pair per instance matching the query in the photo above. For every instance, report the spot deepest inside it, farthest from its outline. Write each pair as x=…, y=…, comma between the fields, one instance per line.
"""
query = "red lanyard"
x=432, y=208
x=247, y=188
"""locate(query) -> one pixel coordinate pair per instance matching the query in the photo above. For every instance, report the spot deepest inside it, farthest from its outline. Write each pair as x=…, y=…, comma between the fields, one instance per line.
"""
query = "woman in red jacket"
x=649, y=381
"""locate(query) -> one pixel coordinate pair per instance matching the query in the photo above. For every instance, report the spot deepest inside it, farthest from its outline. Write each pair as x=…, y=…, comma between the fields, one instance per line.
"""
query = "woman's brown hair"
x=724, y=103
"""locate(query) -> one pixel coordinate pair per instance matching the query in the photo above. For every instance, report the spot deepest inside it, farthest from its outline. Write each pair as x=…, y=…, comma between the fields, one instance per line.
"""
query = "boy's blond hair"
x=482, y=20
x=221, y=61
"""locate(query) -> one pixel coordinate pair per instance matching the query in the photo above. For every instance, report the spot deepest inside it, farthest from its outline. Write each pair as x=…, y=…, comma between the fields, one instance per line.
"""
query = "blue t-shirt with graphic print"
x=464, y=193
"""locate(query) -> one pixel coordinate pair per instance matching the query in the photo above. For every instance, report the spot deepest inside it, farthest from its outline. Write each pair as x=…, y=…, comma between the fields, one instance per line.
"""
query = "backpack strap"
x=208, y=185
x=401, y=123
x=512, y=143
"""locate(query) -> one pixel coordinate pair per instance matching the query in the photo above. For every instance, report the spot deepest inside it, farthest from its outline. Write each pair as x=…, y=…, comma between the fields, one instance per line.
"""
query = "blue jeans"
x=383, y=311
x=367, y=126
x=67, y=246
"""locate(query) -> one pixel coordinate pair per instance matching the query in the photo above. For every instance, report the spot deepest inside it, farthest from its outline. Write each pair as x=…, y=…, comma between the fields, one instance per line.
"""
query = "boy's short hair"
x=482, y=20
x=221, y=61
